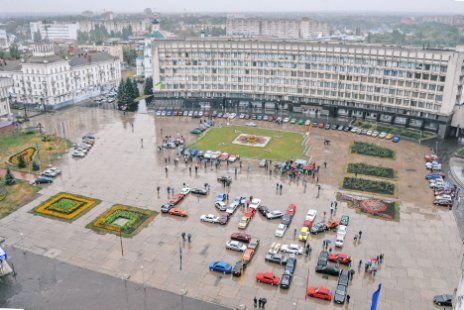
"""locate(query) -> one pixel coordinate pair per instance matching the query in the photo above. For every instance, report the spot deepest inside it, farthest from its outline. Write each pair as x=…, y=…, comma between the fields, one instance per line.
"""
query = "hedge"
x=361, y=168
x=370, y=149
x=365, y=185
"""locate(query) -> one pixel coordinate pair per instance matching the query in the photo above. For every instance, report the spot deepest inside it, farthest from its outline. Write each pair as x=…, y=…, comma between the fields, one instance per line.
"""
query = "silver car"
x=235, y=246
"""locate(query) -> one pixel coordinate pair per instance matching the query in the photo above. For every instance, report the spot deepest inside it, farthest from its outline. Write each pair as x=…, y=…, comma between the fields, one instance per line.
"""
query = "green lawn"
x=283, y=145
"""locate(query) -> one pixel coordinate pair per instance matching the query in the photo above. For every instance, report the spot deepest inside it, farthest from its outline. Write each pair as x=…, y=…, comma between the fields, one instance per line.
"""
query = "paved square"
x=421, y=249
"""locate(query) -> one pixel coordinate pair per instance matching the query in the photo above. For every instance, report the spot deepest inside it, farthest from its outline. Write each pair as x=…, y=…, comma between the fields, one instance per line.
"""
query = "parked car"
x=318, y=228
x=166, y=207
x=239, y=236
x=320, y=293
x=199, y=191
x=248, y=255
x=341, y=230
x=342, y=287
x=339, y=241
x=235, y=245
x=286, y=219
x=233, y=158
x=255, y=203
x=224, y=156
x=267, y=278
x=243, y=222
x=332, y=223
x=220, y=205
x=280, y=259
x=51, y=172
x=224, y=218
x=239, y=268
x=253, y=244
x=42, y=180
x=220, y=266
x=77, y=153
x=443, y=300
x=291, y=209
x=292, y=249
x=176, y=199
x=210, y=218
x=304, y=234
x=263, y=210
x=311, y=215
x=340, y=257
x=324, y=266
x=382, y=135
x=280, y=231
x=178, y=212
x=274, y=214
x=285, y=280
x=345, y=220
x=290, y=266
x=275, y=248
x=221, y=197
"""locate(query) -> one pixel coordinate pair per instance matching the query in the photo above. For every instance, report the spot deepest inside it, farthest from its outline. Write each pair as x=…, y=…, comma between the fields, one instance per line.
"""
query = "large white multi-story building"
x=55, y=31
x=52, y=81
x=6, y=86
x=305, y=28
x=405, y=86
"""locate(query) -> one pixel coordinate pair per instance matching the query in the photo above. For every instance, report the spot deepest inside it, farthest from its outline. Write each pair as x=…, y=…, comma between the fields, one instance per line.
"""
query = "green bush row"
x=366, y=169
x=372, y=186
x=370, y=149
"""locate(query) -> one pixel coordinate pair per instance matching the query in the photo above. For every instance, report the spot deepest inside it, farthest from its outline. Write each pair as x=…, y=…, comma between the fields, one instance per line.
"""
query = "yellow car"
x=243, y=222
x=304, y=233
x=389, y=136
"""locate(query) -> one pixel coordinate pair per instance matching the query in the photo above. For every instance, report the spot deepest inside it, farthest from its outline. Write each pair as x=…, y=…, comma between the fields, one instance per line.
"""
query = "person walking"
x=294, y=233
x=141, y=143
x=255, y=302
x=189, y=237
x=325, y=164
x=166, y=170
x=348, y=299
x=355, y=238
x=281, y=187
x=190, y=171
x=158, y=190
x=352, y=272
x=264, y=303
x=360, y=234
x=183, y=236
x=260, y=303
x=360, y=264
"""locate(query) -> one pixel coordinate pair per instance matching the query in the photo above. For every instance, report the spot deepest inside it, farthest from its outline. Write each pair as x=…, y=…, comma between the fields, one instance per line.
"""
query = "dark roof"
x=83, y=59
x=48, y=59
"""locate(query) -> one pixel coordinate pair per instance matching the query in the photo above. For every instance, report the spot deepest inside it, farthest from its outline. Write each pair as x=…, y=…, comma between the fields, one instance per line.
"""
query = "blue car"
x=220, y=266
x=169, y=113
x=221, y=197
x=290, y=266
x=194, y=152
x=433, y=176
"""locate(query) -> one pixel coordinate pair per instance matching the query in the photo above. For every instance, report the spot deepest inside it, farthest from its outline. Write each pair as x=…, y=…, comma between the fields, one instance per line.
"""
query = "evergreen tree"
x=9, y=178
x=14, y=51
x=35, y=166
x=21, y=162
x=148, y=89
x=37, y=37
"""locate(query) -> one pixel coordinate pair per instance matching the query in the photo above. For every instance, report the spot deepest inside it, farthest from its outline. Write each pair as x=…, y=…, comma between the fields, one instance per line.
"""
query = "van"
x=340, y=240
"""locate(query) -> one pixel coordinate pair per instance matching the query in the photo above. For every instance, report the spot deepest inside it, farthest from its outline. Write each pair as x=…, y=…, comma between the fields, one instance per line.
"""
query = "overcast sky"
x=431, y=6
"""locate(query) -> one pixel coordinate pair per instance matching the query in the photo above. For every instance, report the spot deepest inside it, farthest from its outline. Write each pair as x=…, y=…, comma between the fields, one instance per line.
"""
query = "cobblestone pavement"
x=44, y=283
x=421, y=249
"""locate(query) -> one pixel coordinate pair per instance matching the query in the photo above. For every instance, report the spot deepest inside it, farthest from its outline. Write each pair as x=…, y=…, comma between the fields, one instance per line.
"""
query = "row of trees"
x=127, y=93
x=148, y=89
x=100, y=34
x=129, y=56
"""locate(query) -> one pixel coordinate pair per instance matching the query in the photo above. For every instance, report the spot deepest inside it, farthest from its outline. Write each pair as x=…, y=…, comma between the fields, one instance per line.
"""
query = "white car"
x=185, y=190
x=235, y=246
x=251, y=124
x=375, y=133
x=51, y=172
x=242, y=116
x=280, y=231
x=215, y=155
x=274, y=214
x=341, y=230
x=255, y=203
x=382, y=135
x=158, y=113
x=232, y=115
x=210, y=218
x=308, y=122
x=311, y=215
x=232, y=158
x=200, y=114
x=208, y=154
x=221, y=206
x=286, y=120
x=77, y=153
x=275, y=248
x=232, y=207
x=292, y=249
x=339, y=240
x=369, y=133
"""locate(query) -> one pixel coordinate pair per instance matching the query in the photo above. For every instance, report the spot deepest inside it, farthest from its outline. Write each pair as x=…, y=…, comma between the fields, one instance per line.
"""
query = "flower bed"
x=365, y=185
x=125, y=219
x=361, y=168
x=370, y=149
x=378, y=208
x=27, y=154
x=65, y=206
x=252, y=140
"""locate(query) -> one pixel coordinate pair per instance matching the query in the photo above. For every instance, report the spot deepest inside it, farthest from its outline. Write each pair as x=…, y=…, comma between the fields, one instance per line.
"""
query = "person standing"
x=360, y=264
x=158, y=190
x=281, y=187
x=348, y=299
x=294, y=233
x=260, y=303
x=255, y=302
x=360, y=234
x=189, y=237
x=183, y=236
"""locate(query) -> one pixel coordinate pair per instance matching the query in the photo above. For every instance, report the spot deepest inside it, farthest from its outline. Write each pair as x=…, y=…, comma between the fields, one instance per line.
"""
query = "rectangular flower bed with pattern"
x=122, y=219
x=370, y=149
x=361, y=168
x=366, y=185
x=65, y=206
x=379, y=208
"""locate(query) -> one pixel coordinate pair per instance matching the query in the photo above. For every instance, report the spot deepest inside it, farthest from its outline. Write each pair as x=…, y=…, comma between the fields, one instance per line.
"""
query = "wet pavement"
x=422, y=250
x=45, y=283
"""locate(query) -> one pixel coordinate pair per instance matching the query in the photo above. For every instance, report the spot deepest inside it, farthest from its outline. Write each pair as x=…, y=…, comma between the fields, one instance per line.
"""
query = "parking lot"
x=421, y=249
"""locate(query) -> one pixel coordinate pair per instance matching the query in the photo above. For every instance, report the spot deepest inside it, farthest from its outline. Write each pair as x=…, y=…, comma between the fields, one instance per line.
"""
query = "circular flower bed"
x=373, y=206
x=251, y=140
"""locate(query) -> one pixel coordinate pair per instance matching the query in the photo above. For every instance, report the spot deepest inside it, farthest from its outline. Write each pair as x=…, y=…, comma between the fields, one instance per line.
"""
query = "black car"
x=443, y=300
x=225, y=179
x=290, y=266
x=334, y=127
x=286, y=219
x=276, y=259
x=199, y=191
x=224, y=218
x=214, y=114
x=166, y=207
x=346, y=128
x=254, y=244
x=318, y=228
x=324, y=266
x=238, y=268
x=342, y=287
x=285, y=280
x=263, y=210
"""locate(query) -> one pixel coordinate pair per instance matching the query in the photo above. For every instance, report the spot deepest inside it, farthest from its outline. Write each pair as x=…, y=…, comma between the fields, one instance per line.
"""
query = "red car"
x=250, y=213
x=291, y=209
x=308, y=223
x=321, y=125
x=333, y=223
x=223, y=156
x=268, y=278
x=240, y=237
x=176, y=199
x=320, y=292
x=271, y=118
x=178, y=212
x=340, y=257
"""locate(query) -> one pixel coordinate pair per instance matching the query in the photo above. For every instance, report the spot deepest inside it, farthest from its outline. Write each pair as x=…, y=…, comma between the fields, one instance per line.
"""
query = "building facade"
x=53, y=82
x=112, y=50
x=398, y=85
x=56, y=31
x=6, y=86
x=305, y=28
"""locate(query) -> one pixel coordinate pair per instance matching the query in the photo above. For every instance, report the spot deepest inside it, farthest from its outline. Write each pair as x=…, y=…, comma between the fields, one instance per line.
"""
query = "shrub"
x=365, y=185
x=370, y=149
x=35, y=166
x=365, y=169
x=21, y=162
x=9, y=177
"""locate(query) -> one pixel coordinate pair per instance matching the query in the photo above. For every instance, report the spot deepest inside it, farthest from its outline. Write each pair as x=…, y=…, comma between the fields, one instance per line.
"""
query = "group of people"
x=279, y=187
x=259, y=303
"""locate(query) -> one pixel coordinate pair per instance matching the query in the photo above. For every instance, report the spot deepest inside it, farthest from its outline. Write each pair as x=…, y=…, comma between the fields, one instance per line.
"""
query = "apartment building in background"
x=51, y=81
x=306, y=28
x=405, y=86
x=6, y=86
x=55, y=31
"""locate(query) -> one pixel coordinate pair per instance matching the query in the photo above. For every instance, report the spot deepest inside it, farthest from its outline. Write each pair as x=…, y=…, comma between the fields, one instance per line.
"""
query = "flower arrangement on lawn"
x=252, y=140
x=65, y=206
x=122, y=219
x=378, y=208
x=27, y=155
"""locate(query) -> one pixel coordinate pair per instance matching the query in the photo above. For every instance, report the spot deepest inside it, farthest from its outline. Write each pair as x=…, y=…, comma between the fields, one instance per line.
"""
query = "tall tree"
x=148, y=89
x=37, y=37
x=14, y=51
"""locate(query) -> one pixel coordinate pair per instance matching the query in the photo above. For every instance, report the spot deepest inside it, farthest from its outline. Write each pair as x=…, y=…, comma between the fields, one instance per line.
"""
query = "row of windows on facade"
x=406, y=87
x=204, y=68
x=433, y=101
x=102, y=76
x=65, y=69
x=226, y=58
